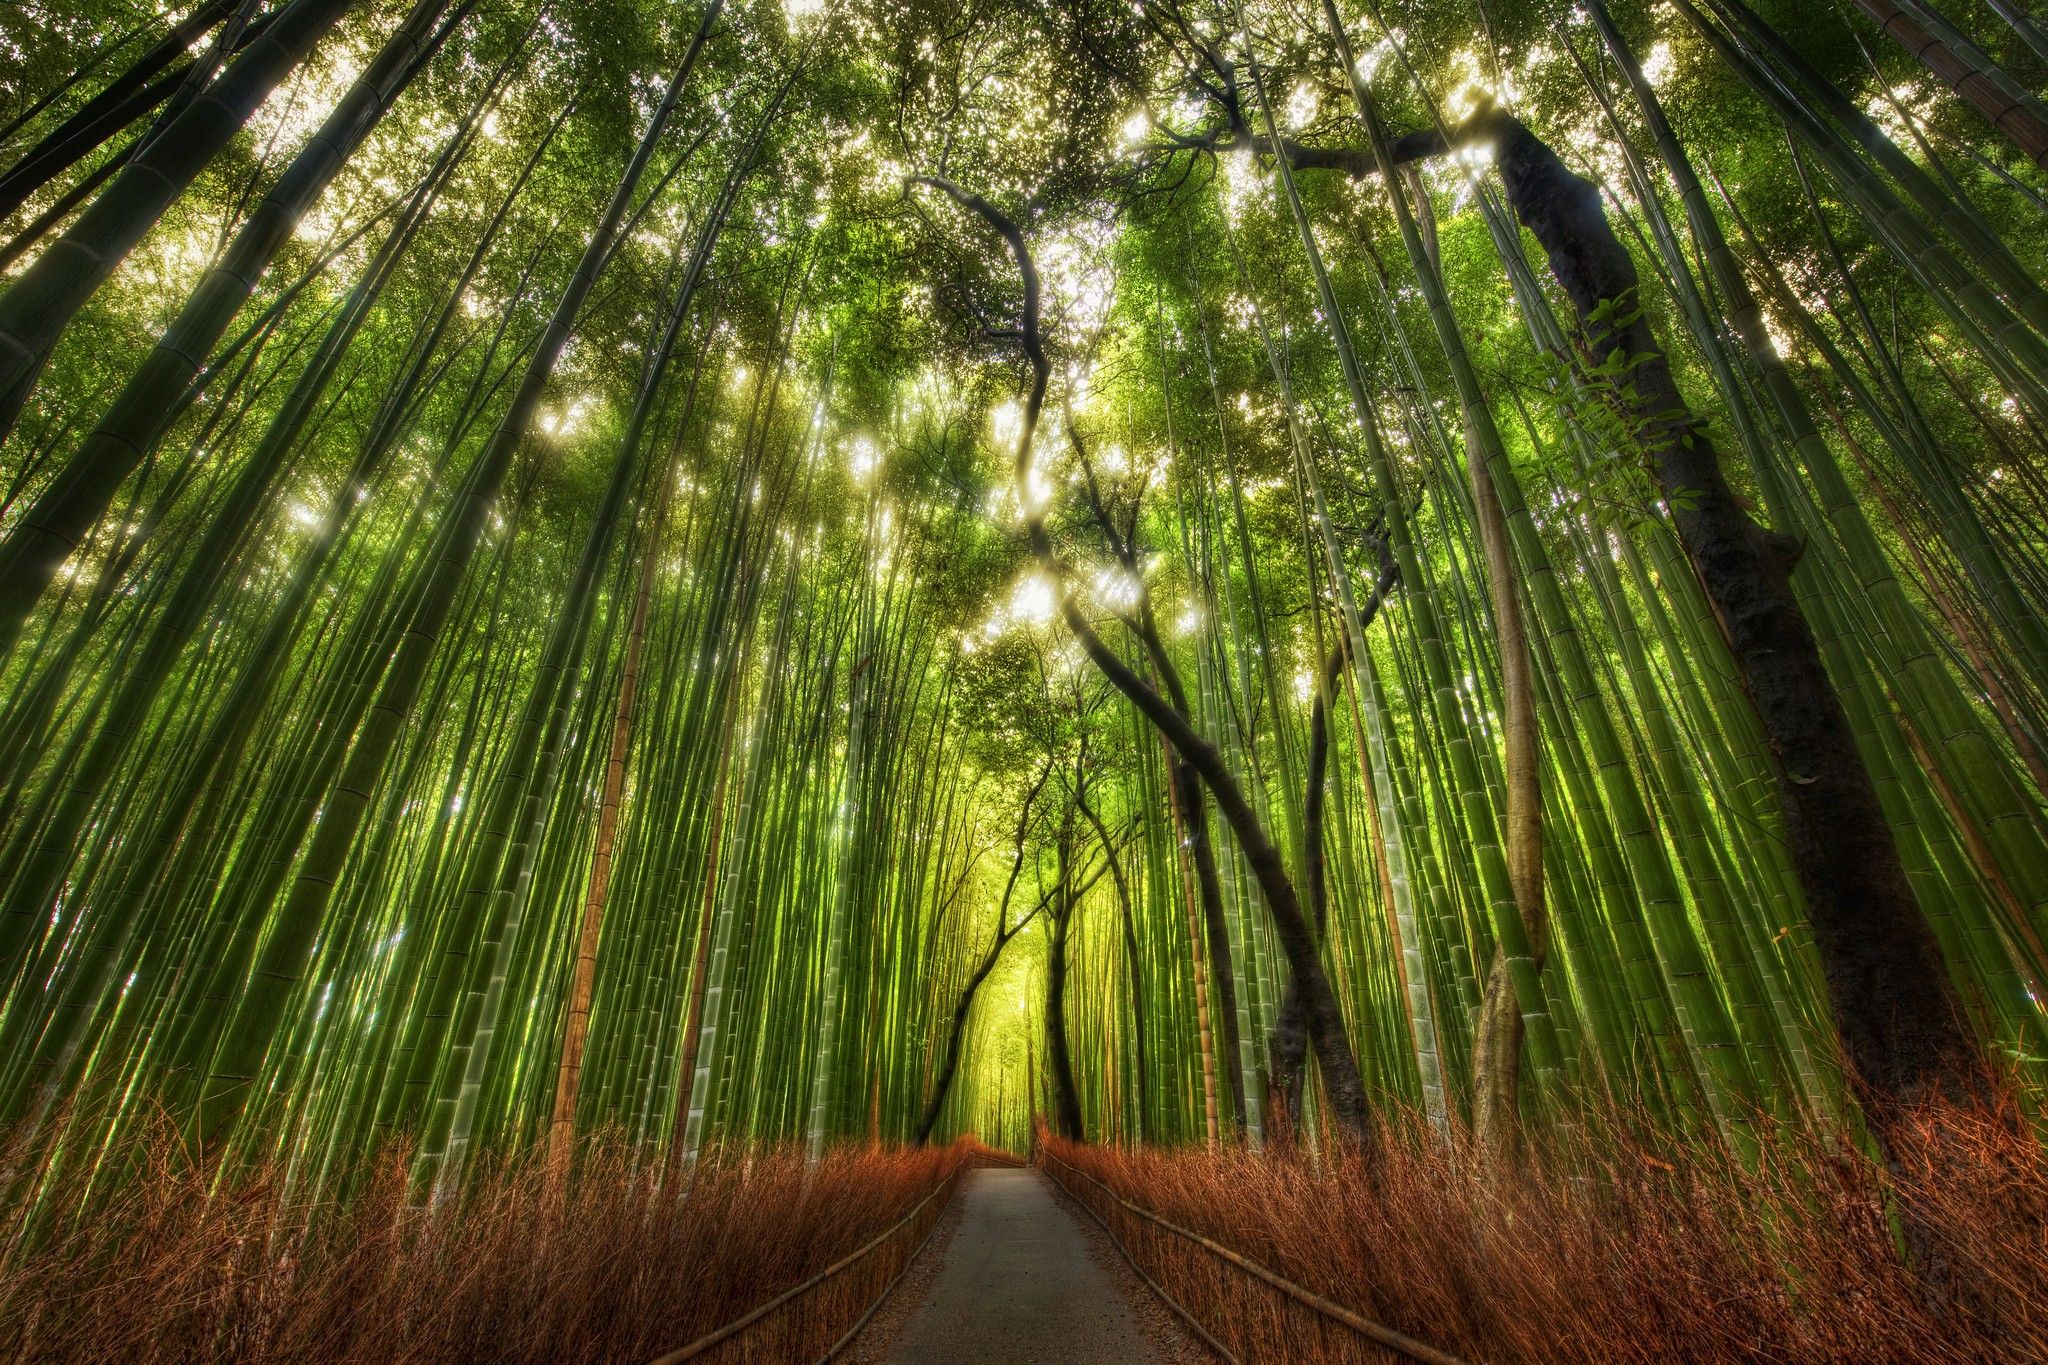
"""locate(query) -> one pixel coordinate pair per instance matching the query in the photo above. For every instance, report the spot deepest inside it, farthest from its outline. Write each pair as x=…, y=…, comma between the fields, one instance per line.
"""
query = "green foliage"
x=852, y=667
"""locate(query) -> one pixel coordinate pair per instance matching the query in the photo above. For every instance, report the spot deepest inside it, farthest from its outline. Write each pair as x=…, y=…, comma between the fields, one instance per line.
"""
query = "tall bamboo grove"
x=1200, y=572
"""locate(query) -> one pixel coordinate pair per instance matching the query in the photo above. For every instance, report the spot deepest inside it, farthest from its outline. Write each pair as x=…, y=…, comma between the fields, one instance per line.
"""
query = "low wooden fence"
x=816, y=1320
x=1258, y=1314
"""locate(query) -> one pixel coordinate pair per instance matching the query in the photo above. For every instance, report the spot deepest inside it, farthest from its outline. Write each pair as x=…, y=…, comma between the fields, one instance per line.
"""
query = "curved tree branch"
x=1325, y=1020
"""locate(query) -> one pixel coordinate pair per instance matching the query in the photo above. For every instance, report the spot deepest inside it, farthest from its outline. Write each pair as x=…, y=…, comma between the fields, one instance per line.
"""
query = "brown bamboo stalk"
x=575, y=1034
x=1969, y=79
x=1187, y=884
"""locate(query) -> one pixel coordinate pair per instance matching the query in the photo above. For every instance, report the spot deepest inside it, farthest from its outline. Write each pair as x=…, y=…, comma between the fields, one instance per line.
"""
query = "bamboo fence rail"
x=1285, y=1321
x=770, y=1332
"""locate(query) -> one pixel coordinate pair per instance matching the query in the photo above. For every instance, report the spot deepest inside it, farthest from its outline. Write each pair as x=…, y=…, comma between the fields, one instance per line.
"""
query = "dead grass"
x=1625, y=1246
x=1613, y=1242
x=617, y=1269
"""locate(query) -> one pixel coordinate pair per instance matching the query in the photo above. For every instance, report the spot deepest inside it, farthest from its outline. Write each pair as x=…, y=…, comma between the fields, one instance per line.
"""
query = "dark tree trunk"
x=1901, y=1027
x=1290, y=1031
x=943, y=1086
x=1289, y=1045
x=1202, y=850
x=1066, y=1095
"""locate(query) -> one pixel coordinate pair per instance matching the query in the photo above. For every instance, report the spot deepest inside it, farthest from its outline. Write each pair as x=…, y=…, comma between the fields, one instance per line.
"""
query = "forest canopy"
x=1204, y=572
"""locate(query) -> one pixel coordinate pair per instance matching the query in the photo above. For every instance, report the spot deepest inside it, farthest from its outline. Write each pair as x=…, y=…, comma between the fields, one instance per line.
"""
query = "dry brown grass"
x=1614, y=1243
x=1628, y=1246
x=616, y=1269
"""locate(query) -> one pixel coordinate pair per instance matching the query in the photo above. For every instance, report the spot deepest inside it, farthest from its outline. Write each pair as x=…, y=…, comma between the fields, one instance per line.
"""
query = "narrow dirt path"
x=1022, y=1281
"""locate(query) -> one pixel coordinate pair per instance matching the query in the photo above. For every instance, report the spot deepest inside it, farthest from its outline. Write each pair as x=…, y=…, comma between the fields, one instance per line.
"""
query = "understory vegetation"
x=1619, y=1243
x=184, y=1262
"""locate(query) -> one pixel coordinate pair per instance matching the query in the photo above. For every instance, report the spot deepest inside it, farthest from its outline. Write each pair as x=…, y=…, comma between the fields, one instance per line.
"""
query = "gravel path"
x=1014, y=1277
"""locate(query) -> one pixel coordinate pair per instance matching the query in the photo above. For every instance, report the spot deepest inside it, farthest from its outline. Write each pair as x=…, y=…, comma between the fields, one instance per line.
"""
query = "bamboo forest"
x=1023, y=680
